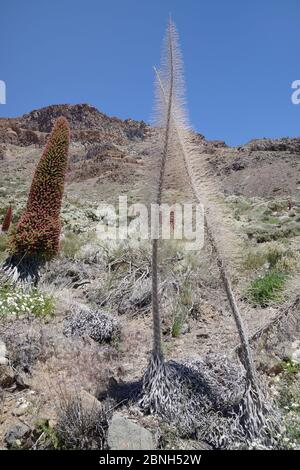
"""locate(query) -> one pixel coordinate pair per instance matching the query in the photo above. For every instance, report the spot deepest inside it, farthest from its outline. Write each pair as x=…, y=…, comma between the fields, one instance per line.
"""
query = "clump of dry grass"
x=80, y=427
x=76, y=364
x=27, y=342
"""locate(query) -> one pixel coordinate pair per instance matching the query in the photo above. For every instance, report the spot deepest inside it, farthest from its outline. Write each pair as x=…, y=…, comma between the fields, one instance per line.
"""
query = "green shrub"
x=290, y=367
x=271, y=220
x=48, y=435
x=267, y=288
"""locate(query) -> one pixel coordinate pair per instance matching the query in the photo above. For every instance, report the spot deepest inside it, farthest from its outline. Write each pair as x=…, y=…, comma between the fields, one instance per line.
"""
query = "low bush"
x=98, y=325
x=267, y=288
x=289, y=263
x=71, y=244
x=81, y=428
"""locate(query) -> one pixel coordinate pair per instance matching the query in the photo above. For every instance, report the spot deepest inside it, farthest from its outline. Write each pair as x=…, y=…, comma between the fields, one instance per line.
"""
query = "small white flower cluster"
x=16, y=302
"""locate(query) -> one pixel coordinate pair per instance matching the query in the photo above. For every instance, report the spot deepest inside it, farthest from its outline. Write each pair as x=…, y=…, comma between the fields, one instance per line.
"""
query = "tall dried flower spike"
x=156, y=383
x=178, y=153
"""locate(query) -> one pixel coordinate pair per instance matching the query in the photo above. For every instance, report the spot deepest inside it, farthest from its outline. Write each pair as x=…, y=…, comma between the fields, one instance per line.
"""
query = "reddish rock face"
x=88, y=125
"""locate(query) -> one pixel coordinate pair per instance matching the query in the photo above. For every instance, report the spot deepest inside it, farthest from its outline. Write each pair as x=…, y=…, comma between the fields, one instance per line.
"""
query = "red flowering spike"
x=38, y=229
x=7, y=219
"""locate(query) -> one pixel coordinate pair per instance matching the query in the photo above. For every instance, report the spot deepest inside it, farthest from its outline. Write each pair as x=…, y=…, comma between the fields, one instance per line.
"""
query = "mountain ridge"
x=86, y=122
x=83, y=117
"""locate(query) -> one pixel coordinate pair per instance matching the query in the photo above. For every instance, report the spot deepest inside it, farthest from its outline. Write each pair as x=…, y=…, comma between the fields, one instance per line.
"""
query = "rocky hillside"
x=99, y=143
x=261, y=167
x=87, y=124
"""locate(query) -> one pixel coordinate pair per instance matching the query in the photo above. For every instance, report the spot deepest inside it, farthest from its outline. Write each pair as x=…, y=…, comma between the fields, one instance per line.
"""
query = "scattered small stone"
x=21, y=382
x=89, y=402
x=3, y=351
x=295, y=347
x=123, y=434
x=21, y=409
x=185, y=329
x=3, y=354
x=7, y=376
x=275, y=369
x=202, y=335
x=17, y=435
x=52, y=423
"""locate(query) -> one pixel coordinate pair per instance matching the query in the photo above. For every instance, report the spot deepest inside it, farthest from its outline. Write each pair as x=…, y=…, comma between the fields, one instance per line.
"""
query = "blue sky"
x=240, y=60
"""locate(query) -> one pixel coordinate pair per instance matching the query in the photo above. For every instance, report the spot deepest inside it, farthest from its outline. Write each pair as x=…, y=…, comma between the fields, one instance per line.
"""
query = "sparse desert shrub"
x=122, y=275
x=36, y=237
x=71, y=244
x=254, y=259
x=25, y=346
x=173, y=249
x=3, y=244
x=291, y=367
x=240, y=204
x=48, y=439
x=269, y=254
x=275, y=252
x=288, y=396
x=18, y=301
x=177, y=324
x=186, y=293
x=98, y=325
x=290, y=263
x=30, y=340
x=129, y=251
x=292, y=431
x=79, y=427
x=7, y=220
x=30, y=137
x=267, y=288
x=73, y=364
x=278, y=205
x=270, y=220
x=265, y=232
x=65, y=272
x=139, y=298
